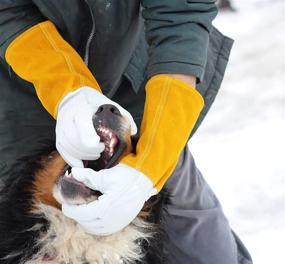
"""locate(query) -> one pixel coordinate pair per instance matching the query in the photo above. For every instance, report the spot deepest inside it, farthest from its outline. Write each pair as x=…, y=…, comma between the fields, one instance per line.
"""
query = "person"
x=161, y=63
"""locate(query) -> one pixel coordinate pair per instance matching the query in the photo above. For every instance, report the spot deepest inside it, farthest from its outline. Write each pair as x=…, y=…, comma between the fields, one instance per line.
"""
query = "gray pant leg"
x=197, y=229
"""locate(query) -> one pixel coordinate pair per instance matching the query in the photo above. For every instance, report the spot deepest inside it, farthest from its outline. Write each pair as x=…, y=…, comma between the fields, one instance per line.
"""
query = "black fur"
x=17, y=239
x=154, y=250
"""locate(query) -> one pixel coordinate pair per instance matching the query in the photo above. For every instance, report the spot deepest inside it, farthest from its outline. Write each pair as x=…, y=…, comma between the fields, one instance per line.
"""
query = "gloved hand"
x=125, y=191
x=76, y=138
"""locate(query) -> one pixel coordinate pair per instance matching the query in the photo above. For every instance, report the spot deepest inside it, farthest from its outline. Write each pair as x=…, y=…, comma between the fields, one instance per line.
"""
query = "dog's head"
x=34, y=230
x=115, y=132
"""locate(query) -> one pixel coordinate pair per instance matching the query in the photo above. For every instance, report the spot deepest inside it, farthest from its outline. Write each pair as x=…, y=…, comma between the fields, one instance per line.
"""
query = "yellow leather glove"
x=172, y=108
x=41, y=56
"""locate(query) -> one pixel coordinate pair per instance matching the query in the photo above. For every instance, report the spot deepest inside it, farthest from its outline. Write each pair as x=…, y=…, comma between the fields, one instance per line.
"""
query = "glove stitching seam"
x=49, y=38
x=155, y=122
x=46, y=33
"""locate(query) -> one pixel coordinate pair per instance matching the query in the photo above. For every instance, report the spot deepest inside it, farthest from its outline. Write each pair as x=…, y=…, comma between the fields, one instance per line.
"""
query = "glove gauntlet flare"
x=41, y=56
x=171, y=110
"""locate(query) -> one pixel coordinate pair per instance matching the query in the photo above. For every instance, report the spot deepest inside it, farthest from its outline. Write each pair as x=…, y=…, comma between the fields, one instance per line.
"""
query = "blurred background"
x=240, y=148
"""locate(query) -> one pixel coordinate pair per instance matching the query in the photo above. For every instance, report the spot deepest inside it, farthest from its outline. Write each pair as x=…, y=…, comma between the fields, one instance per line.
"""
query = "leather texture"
x=42, y=57
x=166, y=127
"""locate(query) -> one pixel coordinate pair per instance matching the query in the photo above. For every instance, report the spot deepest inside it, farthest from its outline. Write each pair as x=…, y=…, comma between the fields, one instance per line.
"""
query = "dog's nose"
x=108, y=109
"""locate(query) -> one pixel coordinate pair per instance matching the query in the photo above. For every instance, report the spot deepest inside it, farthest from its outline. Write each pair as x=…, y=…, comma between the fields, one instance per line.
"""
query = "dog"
x=33, y=228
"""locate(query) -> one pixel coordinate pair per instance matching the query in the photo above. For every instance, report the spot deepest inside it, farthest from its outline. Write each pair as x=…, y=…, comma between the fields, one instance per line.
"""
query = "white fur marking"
x=67, y=242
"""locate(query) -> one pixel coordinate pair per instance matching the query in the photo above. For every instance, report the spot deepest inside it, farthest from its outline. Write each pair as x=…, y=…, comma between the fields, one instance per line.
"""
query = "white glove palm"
x=76, y=138
x=125, y=191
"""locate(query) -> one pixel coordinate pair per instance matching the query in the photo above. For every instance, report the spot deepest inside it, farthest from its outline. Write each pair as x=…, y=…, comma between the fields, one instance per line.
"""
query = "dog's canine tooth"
x=112, y=142
x=67, y=174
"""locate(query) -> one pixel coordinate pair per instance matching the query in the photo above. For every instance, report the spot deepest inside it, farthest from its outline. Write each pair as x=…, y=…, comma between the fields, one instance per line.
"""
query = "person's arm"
x=189, y=79
x=37, y=53
x=177, y=32
x=16, y=17
x=42, y=57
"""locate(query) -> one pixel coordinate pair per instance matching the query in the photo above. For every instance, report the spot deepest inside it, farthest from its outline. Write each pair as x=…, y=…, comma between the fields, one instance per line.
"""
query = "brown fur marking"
x=44, y=180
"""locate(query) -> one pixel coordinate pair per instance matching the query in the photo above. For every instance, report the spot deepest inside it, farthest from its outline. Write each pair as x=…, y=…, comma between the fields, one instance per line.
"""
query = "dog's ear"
x=52, y=168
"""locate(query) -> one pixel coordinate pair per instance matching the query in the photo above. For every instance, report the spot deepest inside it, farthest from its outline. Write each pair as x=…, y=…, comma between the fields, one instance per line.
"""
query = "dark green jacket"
x=118, y=39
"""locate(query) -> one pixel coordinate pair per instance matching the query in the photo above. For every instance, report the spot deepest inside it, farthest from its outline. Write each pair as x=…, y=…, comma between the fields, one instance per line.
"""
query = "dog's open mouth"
x=114, y=148
x=76, y=192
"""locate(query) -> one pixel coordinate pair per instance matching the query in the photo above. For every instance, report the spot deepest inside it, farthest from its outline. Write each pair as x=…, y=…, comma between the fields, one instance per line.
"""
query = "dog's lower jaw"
x=66, y=242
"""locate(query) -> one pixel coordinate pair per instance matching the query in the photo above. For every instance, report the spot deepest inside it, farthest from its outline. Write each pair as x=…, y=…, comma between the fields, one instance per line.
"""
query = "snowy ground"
x=240, y=148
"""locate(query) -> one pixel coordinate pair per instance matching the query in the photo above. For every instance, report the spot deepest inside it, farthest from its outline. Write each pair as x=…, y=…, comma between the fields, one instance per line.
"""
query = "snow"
x=240, y=148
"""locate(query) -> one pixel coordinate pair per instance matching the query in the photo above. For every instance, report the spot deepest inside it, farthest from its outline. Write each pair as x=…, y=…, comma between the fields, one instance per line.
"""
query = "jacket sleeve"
x=16, y=17
x=37, y=53
x=177, y=32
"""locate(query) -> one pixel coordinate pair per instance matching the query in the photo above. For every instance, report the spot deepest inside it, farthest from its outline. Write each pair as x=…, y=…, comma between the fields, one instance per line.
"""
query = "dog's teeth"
x=66, y=174
x=112, y=142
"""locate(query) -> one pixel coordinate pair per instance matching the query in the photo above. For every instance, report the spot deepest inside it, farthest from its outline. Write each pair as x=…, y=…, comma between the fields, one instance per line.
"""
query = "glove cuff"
x=83, y=93
x=143, y=181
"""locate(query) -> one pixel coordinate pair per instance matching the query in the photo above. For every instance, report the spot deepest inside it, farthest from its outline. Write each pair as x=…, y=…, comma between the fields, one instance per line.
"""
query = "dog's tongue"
x=78, y=190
